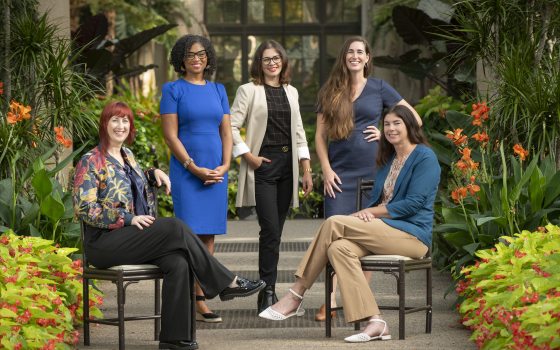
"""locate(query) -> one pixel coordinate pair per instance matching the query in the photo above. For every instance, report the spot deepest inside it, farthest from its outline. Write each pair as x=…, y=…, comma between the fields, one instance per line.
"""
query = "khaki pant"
x=343, y=240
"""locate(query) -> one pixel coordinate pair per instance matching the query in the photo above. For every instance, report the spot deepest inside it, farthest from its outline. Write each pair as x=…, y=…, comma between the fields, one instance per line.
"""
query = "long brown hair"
x=415, y=134
x=257, y=73
x=335, y=97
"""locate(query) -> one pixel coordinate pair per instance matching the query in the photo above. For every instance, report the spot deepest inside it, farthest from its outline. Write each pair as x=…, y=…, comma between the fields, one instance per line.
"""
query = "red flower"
x=1, y=88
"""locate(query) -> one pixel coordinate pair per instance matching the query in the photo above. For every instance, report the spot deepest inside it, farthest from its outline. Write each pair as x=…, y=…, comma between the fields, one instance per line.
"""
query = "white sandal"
x=363, y=337
x=274, y=315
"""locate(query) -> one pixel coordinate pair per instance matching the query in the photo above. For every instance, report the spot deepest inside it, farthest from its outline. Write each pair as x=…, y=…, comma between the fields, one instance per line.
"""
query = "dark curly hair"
x=183, y=45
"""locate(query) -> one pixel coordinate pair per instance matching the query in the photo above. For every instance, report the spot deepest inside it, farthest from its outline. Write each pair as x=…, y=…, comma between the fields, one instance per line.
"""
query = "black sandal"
x=208, y=317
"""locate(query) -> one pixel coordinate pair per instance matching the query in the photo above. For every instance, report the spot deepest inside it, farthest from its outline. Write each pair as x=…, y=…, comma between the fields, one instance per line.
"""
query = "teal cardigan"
x=412, y=207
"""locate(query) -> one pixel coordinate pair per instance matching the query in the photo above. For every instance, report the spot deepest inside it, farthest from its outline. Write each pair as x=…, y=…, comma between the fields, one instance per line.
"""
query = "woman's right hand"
x=142, y=221
x=256, y=162
x=331, y=183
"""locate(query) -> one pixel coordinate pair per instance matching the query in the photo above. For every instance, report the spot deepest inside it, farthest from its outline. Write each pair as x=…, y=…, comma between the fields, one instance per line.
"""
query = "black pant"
x=273, y=193
x=169, y=244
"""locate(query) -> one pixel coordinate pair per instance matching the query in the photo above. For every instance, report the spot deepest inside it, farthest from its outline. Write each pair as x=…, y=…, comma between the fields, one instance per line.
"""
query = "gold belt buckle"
x=284, y=149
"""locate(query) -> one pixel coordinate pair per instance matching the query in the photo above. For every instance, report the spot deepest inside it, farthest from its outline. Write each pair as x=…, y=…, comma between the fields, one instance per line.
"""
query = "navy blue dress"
x=200, y=109
x=354, y=158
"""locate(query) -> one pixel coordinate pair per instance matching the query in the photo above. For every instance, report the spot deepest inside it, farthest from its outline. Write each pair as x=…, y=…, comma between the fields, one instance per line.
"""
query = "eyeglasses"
x=200, y=54
x=274, y=59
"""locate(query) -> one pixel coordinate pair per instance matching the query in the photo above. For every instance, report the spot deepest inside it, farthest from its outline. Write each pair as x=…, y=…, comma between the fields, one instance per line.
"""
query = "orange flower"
x=459, y=194
x=520, y=151
x=12, y=118
x=59, y=135
x=1, y=88
x=481, y=137
x=17, y=112
x=456, y=136
x=479, y=113
x=472, y=188
x=466, y=152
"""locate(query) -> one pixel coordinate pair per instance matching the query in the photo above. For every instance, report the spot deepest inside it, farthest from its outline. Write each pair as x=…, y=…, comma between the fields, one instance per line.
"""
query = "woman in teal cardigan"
x=398, y=221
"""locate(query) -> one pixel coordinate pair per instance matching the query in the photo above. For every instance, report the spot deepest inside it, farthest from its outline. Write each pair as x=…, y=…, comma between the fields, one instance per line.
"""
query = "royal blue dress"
x=200, y=109
x=354, y=158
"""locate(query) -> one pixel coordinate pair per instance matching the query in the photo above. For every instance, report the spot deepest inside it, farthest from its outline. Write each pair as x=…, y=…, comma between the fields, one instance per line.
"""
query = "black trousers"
x=273, y=194
x=171, y=245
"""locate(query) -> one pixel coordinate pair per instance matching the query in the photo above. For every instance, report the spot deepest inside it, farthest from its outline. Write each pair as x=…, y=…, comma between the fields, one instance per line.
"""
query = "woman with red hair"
x=111, y=198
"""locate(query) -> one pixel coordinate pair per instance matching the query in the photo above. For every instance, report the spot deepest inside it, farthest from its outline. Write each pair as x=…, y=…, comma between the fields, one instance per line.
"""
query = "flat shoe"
x=244, y=289
x=178, y=344
x=363, y=337
x=274, y=315
x=321, y=315
x=208, y=317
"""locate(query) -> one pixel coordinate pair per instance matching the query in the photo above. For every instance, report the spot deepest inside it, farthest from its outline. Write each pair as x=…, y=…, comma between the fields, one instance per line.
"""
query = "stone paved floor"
x=242, y=329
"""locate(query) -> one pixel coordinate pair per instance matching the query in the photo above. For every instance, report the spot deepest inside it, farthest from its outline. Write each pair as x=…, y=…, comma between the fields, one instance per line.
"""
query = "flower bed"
x=511, y=296
x=40, y=294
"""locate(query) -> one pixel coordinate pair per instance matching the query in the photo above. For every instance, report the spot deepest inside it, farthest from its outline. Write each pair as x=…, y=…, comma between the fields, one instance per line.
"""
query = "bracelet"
x=187, y=163
x=308, y=170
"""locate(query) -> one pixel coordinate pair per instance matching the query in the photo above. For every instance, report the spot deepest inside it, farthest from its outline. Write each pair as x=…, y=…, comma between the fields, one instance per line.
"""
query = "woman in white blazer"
x=274, y=144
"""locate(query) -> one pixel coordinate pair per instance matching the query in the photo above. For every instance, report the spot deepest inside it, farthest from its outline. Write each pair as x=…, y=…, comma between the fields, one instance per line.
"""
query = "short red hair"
x=119, y=109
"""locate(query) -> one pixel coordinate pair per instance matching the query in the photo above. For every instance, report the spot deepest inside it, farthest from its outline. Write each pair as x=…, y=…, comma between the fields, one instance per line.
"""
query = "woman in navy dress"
x=197, y=129
x=350, y=107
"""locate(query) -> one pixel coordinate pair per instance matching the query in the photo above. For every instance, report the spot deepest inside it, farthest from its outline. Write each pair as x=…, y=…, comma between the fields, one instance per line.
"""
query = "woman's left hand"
x=373, y=133
x=217, y=175
x=162, y=179
x=307, y=183
x=364, y=214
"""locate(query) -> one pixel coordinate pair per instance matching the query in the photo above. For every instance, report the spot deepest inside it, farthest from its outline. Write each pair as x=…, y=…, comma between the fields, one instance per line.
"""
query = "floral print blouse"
x=102, y=190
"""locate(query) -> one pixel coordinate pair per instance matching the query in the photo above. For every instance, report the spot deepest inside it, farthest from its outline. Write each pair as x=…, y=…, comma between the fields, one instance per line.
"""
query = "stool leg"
x=429, y=300
x=120, y=311
x=328, y=291
x=400, y=286
x=157, y=311
x=85, y=300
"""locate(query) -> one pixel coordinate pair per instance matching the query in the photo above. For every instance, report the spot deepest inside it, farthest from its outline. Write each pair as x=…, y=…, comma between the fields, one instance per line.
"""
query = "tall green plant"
x=517, y=43
x=44, y=76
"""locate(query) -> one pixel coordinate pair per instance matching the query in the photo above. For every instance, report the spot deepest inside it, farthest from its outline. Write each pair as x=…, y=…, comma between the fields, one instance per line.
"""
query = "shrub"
x=511, y=296
x=40, y=293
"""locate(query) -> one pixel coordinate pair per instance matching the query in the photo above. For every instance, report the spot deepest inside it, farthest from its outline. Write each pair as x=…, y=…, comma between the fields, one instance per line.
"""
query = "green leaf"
x=53, y=208
x=63, y=163
x=458, y=239
x=42, y=184
x=33, y=231
x=471, y=248
x=483, y=220
x=514, y=194
x=552, y=190
x=536, y=189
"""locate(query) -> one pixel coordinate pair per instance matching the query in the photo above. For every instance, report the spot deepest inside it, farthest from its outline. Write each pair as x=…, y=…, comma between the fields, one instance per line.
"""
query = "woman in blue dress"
x=197, y=129
x=350, y=105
